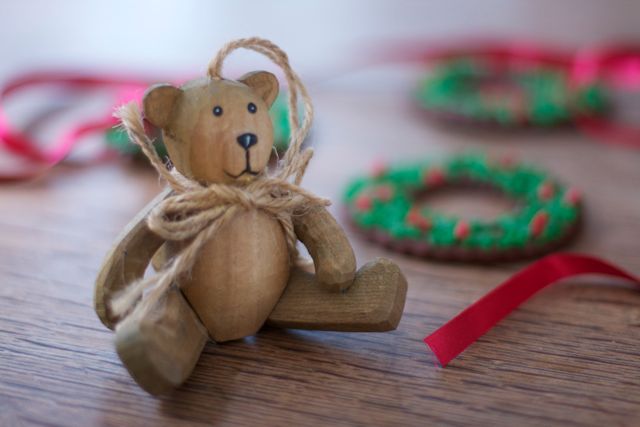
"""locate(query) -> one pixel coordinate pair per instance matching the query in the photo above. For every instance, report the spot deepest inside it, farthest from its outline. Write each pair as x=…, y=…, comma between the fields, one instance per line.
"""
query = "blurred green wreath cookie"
x=387, y=207
x=475, y=91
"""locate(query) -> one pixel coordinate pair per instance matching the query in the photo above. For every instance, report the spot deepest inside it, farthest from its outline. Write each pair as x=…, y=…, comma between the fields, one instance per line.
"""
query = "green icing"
x=540, y=96
x=117, y=138
x=518, y=181
x=280, y=116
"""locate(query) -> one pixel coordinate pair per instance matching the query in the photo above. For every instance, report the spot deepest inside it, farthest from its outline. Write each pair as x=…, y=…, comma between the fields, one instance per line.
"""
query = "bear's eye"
x=217, y=110
x=252, y=108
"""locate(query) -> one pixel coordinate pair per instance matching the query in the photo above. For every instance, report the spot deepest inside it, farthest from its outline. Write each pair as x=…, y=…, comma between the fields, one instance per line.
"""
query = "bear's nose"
x=246, y=140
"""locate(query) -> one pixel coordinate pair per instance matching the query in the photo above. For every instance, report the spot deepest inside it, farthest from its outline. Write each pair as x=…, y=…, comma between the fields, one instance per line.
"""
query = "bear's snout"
x=246, y=140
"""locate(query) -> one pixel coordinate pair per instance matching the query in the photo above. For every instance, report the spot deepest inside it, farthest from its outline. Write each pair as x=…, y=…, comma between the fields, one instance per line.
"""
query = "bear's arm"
x=127, y=260
x=333, y=257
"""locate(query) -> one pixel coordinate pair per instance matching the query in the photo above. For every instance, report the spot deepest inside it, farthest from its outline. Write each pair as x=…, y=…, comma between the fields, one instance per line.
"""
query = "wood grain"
x=569, y=357
x=373, y=303
x=239, y=276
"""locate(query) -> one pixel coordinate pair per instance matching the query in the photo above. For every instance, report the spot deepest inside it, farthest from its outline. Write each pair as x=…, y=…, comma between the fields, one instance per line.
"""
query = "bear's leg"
x=373, y=303
x=160, y=348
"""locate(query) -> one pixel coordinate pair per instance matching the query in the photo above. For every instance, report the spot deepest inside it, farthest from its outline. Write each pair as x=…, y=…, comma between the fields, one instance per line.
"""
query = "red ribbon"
x=501, y=53
x=618, y=66
x=451, y=339
x=35, y=153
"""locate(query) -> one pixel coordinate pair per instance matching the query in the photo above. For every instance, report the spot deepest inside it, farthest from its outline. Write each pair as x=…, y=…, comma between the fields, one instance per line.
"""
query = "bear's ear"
x=263, y=83
x=158, y=103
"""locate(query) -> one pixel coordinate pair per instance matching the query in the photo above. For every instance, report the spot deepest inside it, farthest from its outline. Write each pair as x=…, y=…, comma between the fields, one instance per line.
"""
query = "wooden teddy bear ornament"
x=228, y=230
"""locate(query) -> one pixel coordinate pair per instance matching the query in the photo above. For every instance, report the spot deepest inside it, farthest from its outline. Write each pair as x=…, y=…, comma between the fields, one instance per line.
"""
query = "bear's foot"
x=160, y=348
x=373, y=303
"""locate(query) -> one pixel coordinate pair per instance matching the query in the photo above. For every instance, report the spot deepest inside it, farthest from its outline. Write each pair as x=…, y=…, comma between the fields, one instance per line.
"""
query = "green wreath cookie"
x=385, y=206
x=475, y=91
x=117, y=138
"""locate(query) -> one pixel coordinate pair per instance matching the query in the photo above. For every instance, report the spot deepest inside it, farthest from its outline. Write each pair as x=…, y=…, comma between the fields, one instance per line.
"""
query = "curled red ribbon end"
x=451, y=339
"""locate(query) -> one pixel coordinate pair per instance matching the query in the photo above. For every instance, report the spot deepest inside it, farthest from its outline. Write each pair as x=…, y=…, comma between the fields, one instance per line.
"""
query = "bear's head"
x=216, y=131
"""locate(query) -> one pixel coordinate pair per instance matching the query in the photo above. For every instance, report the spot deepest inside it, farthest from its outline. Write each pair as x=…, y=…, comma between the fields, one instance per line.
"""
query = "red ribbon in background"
x=615, y=66
x=498, y=52
x=40, y=158
x=451, y=339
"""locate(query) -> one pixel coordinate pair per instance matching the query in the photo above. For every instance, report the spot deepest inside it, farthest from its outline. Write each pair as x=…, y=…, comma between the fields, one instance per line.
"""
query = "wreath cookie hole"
x=467, y=201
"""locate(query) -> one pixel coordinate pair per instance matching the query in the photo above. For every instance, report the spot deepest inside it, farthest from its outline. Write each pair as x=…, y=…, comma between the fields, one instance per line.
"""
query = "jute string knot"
x=194, y=212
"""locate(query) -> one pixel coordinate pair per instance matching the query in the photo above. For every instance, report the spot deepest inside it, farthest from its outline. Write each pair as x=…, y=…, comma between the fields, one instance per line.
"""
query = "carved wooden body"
x=240, y=276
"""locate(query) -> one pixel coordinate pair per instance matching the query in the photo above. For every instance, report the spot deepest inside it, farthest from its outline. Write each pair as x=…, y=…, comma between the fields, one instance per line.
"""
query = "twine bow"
x=194, y=212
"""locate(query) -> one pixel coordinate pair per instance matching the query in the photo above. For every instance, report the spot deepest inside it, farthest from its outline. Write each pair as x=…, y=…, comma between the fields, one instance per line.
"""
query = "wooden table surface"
x=570, y=356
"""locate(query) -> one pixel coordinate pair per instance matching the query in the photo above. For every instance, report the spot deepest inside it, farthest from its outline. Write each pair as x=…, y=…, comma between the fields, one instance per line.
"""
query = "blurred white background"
x=179, y=37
